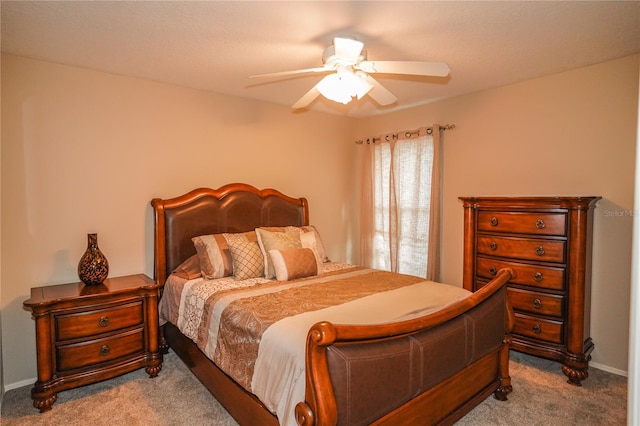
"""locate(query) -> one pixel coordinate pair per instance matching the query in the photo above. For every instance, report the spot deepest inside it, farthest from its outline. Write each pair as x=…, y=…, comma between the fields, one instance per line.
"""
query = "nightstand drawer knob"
x=537, y=304
x=494, y=221
x=104, y=321
x=540, y=251
x=536, y=329
x=493, y=270
x=104, y=350
x=493, y=245
x=540, y=224
x=538, y=277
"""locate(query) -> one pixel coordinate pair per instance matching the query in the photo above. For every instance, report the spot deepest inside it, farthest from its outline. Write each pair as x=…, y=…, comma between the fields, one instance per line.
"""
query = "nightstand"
x=86, y=334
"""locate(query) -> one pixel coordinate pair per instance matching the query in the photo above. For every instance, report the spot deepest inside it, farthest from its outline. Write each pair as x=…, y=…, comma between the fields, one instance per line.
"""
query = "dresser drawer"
x=530, y=275
x=523, y=223
x=522, y=248
x=92, y=352
x=93, y=322
x=538, y=328
x=536, y=303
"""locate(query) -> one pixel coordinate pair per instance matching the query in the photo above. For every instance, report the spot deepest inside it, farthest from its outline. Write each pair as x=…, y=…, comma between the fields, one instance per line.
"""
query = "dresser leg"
x=575, y=374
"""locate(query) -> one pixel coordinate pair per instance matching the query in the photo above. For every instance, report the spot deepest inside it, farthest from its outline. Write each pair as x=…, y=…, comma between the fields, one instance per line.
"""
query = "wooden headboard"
x=236, y=207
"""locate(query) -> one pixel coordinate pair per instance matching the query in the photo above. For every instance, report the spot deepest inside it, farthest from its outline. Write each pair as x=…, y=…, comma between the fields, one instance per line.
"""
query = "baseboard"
x=22, y=383
x=608, y=369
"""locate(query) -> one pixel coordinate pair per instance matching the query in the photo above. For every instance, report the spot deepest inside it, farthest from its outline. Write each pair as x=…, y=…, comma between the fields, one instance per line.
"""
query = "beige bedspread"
x=255, y=330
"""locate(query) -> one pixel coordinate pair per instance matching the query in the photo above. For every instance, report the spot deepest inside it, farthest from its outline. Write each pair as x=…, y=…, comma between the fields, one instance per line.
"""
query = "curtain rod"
x=407, y=134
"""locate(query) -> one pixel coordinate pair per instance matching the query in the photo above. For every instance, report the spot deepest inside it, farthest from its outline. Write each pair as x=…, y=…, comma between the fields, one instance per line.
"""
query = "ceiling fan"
x=347, y=62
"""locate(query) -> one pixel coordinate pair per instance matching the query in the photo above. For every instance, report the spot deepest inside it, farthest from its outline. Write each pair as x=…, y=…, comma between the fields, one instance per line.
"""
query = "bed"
x=350, y=355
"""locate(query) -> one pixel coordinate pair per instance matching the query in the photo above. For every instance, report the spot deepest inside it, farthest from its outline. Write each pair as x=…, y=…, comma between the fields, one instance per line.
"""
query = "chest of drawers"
x=546, y=241
x=85, y=334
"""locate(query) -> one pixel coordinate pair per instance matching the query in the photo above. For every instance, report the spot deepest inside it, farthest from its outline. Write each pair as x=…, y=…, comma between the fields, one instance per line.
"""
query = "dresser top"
x=47, y=295
x=550, y=202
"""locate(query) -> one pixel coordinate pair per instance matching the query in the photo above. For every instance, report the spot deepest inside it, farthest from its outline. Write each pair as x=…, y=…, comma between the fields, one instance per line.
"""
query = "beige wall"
x=572, y=133
x=85, y=151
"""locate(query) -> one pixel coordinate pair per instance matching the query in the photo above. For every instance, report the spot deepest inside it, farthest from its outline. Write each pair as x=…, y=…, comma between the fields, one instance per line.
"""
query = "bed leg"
x=162, y=342
x=503, y=371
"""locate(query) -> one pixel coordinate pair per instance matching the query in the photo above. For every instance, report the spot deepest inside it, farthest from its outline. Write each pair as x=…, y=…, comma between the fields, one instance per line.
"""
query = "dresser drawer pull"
x=537, y=277
x=537, y=304
x=493, y=245
x=540, y=224
x=104, y=321
x=494, y=221
x=493, y=270
x=536, y=329
x=104, y=350
x=540, y=251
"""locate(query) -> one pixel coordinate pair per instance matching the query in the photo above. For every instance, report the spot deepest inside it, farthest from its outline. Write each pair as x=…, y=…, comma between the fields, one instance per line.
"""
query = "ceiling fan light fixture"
x=343, y=86
x=350, y=77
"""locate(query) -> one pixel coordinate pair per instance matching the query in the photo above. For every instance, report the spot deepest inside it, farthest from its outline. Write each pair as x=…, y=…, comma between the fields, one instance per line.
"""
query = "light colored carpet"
x=541, y=396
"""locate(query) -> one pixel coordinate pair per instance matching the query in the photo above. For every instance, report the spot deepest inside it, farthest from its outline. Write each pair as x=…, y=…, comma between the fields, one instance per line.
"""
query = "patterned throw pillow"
x=269, y=240
x=291, y=264
x=214, y=256
x=246, y=257
x=310, y=233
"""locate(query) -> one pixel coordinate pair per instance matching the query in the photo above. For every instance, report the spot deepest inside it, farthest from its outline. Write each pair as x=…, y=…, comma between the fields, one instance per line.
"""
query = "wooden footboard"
x=432, y=370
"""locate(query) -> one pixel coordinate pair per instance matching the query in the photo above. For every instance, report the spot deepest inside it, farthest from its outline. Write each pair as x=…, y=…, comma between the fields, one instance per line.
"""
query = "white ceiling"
x=216, y=45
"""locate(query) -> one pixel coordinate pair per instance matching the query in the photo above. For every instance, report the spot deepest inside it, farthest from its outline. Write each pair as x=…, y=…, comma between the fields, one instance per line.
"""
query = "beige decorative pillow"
x=290, y=264
x=246, y=257
x=311, y=232
x=213, y=253
x=189, y=269
x=268, y=240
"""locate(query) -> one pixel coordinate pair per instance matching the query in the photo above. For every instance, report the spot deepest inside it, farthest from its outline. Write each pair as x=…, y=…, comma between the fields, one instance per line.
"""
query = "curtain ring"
x=429, y=130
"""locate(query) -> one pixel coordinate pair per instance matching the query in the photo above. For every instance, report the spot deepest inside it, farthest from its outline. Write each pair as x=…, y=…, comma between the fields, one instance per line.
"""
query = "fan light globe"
x=343, y=86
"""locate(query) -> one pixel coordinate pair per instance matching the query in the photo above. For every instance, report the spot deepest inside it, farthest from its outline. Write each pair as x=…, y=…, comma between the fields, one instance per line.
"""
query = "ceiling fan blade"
x=307, y=98
x=435, y=69
x=379, y=93
x=347, y=49
x=293, y=72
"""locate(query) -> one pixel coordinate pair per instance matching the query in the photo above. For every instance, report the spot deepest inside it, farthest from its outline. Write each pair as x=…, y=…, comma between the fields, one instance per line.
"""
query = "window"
x=401, y=202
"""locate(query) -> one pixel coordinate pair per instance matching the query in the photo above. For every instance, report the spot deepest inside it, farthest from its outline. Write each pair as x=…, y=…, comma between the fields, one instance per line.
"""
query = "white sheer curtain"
x=400, y=216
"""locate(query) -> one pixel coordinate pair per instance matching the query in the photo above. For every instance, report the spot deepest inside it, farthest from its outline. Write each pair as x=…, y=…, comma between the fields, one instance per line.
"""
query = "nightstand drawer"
x=522, y=248
x=538, y=328
x=531, y=275
x=536, y=303
x=92, y=352
x=91, y=323
x=523, y=223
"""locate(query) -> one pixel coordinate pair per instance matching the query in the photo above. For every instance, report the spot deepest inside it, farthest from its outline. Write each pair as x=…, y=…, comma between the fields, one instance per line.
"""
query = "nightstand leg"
x=42, y=394
x=153, y=371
